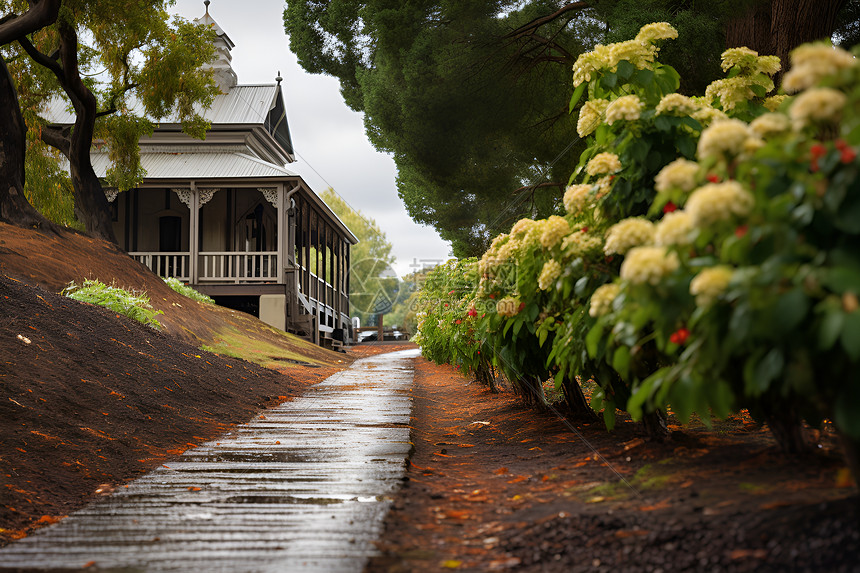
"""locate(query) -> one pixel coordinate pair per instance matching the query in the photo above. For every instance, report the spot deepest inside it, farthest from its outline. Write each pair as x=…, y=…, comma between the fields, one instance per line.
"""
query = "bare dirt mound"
x=90, y=399
x=493, y=485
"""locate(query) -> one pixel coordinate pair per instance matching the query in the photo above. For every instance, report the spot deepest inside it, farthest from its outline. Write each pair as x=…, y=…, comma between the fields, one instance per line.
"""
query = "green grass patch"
x=232, y=342
x=127, y=303
x=648, y=477
x=187, y=291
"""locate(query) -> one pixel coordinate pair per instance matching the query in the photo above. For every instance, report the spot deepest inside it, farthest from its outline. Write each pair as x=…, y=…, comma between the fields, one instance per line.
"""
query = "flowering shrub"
x=704, y=257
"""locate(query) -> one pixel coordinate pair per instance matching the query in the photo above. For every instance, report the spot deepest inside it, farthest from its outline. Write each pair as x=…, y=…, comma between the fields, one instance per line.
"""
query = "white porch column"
x=194, y=229
x=283, y=234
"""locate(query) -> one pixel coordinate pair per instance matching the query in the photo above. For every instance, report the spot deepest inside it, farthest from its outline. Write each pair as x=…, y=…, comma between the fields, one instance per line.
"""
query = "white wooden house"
x=228, y=217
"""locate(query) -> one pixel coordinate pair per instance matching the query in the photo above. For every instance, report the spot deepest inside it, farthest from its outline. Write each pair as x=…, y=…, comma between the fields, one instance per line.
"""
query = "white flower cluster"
x=679, y=174
x=554, y=230
x=816, y=106
x=627, y=107
x=773, y=102
x=575, y=198
x=716, y=202
x=549, y=273
x=601, y=300
x=674, y=228
x=521, y=227
x=603, y=163
x=579, y=244
x=590, y=116
x=770, y=124
x=648, y=265
x=640, y=52
x=508, y=307
x=656, y=31
x=731, y=91
x=749, y=62
x=603, y=186
x=676, y=104
x=710, y=284
x=810, y=63
x=706, y=115
x=723, y=138
x=629, y=233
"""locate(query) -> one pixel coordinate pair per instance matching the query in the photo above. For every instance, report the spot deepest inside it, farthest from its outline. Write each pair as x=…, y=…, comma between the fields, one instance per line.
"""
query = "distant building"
x=226, y=216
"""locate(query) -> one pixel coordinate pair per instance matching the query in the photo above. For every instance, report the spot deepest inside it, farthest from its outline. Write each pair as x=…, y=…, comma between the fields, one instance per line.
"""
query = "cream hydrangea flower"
x=603, y=186
x=532, y=237
x=710, y=284
x=680, y=174
x=770, y=124
x=601, y=300
x=579, y=244
x=749, y=61
x=723, y=137
x=811, y=63
x=674, y=228
x=741, y=57
x=729, y=91
x=590, y=62
x=521, y=227
x=575, y=198
x=648, y=265
x=656, y=31
x=590, y=116
x=676, y=104
x=553, y=231
x=629, y=233
x=627, y=107
x=508, y=307
x=603, y=163
x=717, y=202
x=549, y=273
x=508, y=251
x=640, y=54
x=706, y=115
x=817, y=105
x=773, y=102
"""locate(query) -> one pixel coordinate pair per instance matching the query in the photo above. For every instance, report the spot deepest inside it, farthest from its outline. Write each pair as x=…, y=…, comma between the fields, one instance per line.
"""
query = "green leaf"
x=846, y=411
x=577, y=95
x=593, y=339
x=609, y=81
x=830, y=328
x=769, y=369
x=621, y=361
x=662, y=123
x=625, y=70
x=758, y=90
x=843, y=279
x=790, y=310
x=850, y=338
x=542, y=336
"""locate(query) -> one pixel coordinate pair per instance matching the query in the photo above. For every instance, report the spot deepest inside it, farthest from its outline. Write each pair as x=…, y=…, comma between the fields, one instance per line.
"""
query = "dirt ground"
x=495, y=486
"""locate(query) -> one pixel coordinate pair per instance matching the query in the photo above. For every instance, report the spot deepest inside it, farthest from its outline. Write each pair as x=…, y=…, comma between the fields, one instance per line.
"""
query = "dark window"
x=170, y=234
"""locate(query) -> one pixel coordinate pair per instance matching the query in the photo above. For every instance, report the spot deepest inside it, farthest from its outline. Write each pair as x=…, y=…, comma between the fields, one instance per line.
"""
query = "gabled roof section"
x=198, y=164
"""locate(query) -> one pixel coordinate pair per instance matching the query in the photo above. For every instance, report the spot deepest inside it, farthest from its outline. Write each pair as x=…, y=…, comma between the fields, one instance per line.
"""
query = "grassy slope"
x=54, y=261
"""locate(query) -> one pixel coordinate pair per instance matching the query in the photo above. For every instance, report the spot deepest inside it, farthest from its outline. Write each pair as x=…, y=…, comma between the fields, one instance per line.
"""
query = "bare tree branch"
x=532, y=26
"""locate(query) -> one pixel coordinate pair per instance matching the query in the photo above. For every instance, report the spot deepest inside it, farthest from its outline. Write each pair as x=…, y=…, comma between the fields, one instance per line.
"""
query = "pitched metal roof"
x=198, y=165
x=242, y=105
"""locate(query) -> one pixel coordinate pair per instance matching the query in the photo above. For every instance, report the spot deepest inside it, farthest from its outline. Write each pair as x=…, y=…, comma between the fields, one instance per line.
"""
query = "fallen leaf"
x=844, y=479
x=451, y=564
x=518, y=479
x=192, y=488
x=501, y=471
x=747, y=553
x=88, y=564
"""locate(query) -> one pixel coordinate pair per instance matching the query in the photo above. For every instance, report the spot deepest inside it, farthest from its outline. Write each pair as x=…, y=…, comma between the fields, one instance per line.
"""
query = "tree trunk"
x=14, y=207
x=91, y=206
x=655, y=426
x=787, y=430
x=575, y=400
x=775, y=27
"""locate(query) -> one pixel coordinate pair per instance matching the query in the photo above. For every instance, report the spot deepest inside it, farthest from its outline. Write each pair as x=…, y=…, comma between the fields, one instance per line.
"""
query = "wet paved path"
x=303, y=489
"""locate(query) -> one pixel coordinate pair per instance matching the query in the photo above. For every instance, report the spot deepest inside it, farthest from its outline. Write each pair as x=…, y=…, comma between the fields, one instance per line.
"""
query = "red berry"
x=669, y=207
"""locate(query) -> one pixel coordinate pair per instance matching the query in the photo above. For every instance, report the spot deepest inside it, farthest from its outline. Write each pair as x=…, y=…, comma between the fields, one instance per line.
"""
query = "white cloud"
x=329, y=138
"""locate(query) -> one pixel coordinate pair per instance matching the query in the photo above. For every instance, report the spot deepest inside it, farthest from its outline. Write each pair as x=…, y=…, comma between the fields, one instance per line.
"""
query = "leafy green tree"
x=374, y=287
x=471, y=97
x=120, y=66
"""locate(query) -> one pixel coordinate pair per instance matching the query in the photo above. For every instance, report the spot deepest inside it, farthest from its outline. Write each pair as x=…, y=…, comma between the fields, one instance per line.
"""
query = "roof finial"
x=278, y=78
x=206, y=3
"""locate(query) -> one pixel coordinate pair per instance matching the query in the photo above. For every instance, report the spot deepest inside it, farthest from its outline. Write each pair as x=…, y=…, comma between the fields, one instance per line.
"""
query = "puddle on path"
x=304, y=489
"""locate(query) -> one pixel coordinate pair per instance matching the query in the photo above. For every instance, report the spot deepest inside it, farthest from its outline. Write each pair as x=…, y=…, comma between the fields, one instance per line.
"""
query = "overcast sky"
x=329, y=139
